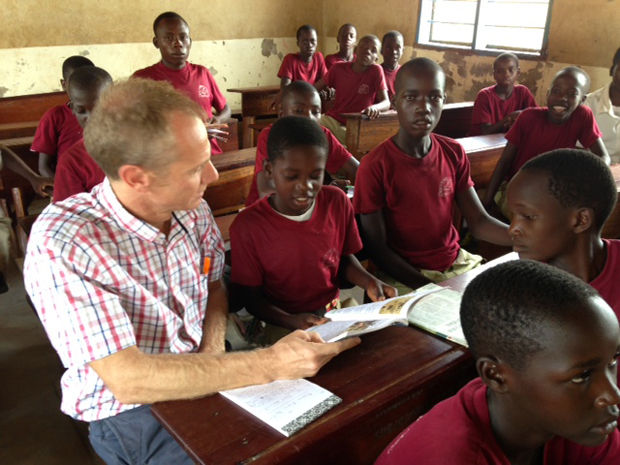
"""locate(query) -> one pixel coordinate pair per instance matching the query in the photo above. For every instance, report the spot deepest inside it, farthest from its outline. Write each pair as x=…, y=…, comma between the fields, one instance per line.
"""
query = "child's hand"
x=43, y=185
x=329, y=93
x=371, y=111
x=511, y=118
x=341, y=184
x=377, y=290
x=304, y=321
x=274, y=105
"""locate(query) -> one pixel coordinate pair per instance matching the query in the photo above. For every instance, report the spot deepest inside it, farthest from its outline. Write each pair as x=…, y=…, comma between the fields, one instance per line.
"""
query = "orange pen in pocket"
x=206, y=265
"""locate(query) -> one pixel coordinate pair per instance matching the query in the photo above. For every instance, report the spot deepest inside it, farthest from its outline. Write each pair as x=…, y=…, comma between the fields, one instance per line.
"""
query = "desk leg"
x=248, y=132
x=353, y=137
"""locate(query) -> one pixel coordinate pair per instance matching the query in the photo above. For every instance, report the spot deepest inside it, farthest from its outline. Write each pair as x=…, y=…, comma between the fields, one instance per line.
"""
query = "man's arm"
x=375, y=243
x=138, y=378
x=598, y=148
x=214, y=328
x=503, y=165
x=480, y=223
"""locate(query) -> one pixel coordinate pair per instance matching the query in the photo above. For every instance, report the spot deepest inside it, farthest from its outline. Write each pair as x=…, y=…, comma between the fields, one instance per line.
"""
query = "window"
x=519, y=26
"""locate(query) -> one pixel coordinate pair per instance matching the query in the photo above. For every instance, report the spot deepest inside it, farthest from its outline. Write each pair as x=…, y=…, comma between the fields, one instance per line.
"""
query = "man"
x=127, y=279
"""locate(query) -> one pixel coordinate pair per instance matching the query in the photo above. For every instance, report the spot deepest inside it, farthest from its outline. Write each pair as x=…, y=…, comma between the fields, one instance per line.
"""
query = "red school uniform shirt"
x=335, y=58
x=194, y=80
x=336, y=158
x=458, y=430
x=416, y=196
x=606, y=283
x=76, y=172
x=489, y=108
x=57, y=131
x=297, y=70
x=533, y=134
x=390, y=81
x=295, y=263
x=354, y=91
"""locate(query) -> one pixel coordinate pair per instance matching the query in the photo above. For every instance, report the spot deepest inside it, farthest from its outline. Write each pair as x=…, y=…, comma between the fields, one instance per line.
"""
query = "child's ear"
x=583, y=220
x=268, y=169
x=492, y=372
x=63, y=84
x=156, y=42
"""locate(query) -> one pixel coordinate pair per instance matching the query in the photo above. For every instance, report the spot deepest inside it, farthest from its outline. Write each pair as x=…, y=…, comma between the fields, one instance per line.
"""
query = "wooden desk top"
x=482, y=143
x=235, y=159
x=386, y=382
x=256, y=90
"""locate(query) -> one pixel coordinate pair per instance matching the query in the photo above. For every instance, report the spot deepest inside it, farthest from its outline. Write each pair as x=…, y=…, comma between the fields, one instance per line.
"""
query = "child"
x=559, y=202
x=605, y=104
x=174, y=43
x=537, y=130
x=58, y=129
x=299, y=99
x=360, y=86
x=546, y=349
x=307, y=65
x=392, y=48
x=39, y=183
x=290, y=249
x=496, y=108
x=405, y=189
x=77, y=171
x=347, y=35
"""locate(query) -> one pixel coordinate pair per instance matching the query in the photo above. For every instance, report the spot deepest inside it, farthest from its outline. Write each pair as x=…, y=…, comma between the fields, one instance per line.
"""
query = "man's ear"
x=583, y=219
x=135, y=177
x=493, y=373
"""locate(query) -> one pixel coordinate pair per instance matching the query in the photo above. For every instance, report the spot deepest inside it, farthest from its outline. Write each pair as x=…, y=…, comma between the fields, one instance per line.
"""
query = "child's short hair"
x=416, y=65
x=506, y=56
x=577, y=71
x=72, y=63
x=394, y=34
x=614, y=61
x=305, y=28
x=346, y=25
x=167, y=15
x=294, y=131
x=578, y=179
x=298, y=87
x=88, y=78
x=505, y=310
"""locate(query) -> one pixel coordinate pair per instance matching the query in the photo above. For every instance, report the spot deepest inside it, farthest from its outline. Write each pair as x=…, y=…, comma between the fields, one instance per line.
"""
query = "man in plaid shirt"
x=127, y=279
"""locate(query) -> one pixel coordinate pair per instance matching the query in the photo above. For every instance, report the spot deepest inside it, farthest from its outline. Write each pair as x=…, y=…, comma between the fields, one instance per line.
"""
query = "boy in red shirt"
x=300, y=99
x=306, y=65
x=546, y=349
x=561, y=124
x=290, y=249
x=359, y=86
x=347, y=35
x=173, y=41
x=406, y=187
x=496, y=108
x=392, y=48
x=58, y=129
x=77, y=171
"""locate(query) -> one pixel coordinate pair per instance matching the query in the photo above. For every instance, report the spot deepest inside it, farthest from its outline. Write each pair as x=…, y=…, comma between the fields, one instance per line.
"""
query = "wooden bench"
x=365, y=134
x=20, y=115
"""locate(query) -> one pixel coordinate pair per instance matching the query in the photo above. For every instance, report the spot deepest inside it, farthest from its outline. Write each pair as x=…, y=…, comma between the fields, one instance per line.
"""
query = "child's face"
x=347, y=37
x=506, y=72
x=419, y=102
x=83, y=102
x=564, y=96
x=368, y=51
x=568, y=389
x=615, y=75
x=297, y=178
x=306, y=104
x=173, y=41
x=541, y=228
x=307, y=43
x=392, y=50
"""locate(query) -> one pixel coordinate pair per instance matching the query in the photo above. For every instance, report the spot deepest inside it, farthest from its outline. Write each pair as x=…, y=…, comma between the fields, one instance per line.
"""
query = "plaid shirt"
x=102, y=280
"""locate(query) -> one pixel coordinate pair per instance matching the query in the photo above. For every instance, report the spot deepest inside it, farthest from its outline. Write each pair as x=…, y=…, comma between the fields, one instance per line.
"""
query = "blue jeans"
x=135, y=437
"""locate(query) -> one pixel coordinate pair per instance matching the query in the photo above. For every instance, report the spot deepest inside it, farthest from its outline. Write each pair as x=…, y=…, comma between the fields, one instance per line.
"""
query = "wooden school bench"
x=20, y=115
x=365, y=134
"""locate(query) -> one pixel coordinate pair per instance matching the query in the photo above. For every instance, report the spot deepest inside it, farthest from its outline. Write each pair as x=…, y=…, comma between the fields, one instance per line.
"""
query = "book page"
x=286, y=405
x=439, y=314
x=333, y=331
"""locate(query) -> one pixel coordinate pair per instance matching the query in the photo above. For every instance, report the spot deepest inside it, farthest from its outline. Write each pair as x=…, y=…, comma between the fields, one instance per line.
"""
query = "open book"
x=432, y=308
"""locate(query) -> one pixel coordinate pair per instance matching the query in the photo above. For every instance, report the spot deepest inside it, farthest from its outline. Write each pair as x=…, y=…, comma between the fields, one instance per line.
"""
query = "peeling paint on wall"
x=3, y=90
x=84, y=53
x=533, y=78
x=212, y=70
x=269, y=47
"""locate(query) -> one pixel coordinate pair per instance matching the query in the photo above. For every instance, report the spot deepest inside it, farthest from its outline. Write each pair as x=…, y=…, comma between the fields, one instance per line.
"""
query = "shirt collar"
x=605, y=102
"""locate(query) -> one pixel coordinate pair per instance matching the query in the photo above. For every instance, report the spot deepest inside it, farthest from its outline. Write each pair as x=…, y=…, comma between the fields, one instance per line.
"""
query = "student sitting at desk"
x=359, y=86
x=290, y=249
x=58, y=129
x=405, y=190
x=561, y=124
x=347, y=35
x=306, y=65
x=496, y=108
x=299, y=99
x=546, y=349
x=559, y=203
x=605, y=104
x=392, y=48
x=77, y=171
x=173, y=41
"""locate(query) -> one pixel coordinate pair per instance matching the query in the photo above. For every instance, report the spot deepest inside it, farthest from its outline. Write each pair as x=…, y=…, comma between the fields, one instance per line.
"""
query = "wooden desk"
x=255, y=101
x=484, y=152
x=28, y=108
x=386, y=382
x=13, y=130
x=235, y=159
x=365, y=134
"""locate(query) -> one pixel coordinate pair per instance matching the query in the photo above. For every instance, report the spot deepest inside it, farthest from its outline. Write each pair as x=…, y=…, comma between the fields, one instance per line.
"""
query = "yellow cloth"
x=338, y=130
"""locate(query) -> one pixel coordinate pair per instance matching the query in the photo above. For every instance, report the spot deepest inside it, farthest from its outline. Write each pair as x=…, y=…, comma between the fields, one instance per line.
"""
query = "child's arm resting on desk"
x=503, y=165
x=382, y=103
x=598, y=148
x=481, y=224
x=375, y=243
x=355, y=273
x=17, y=165
x=260, y=307
x=502, y=125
